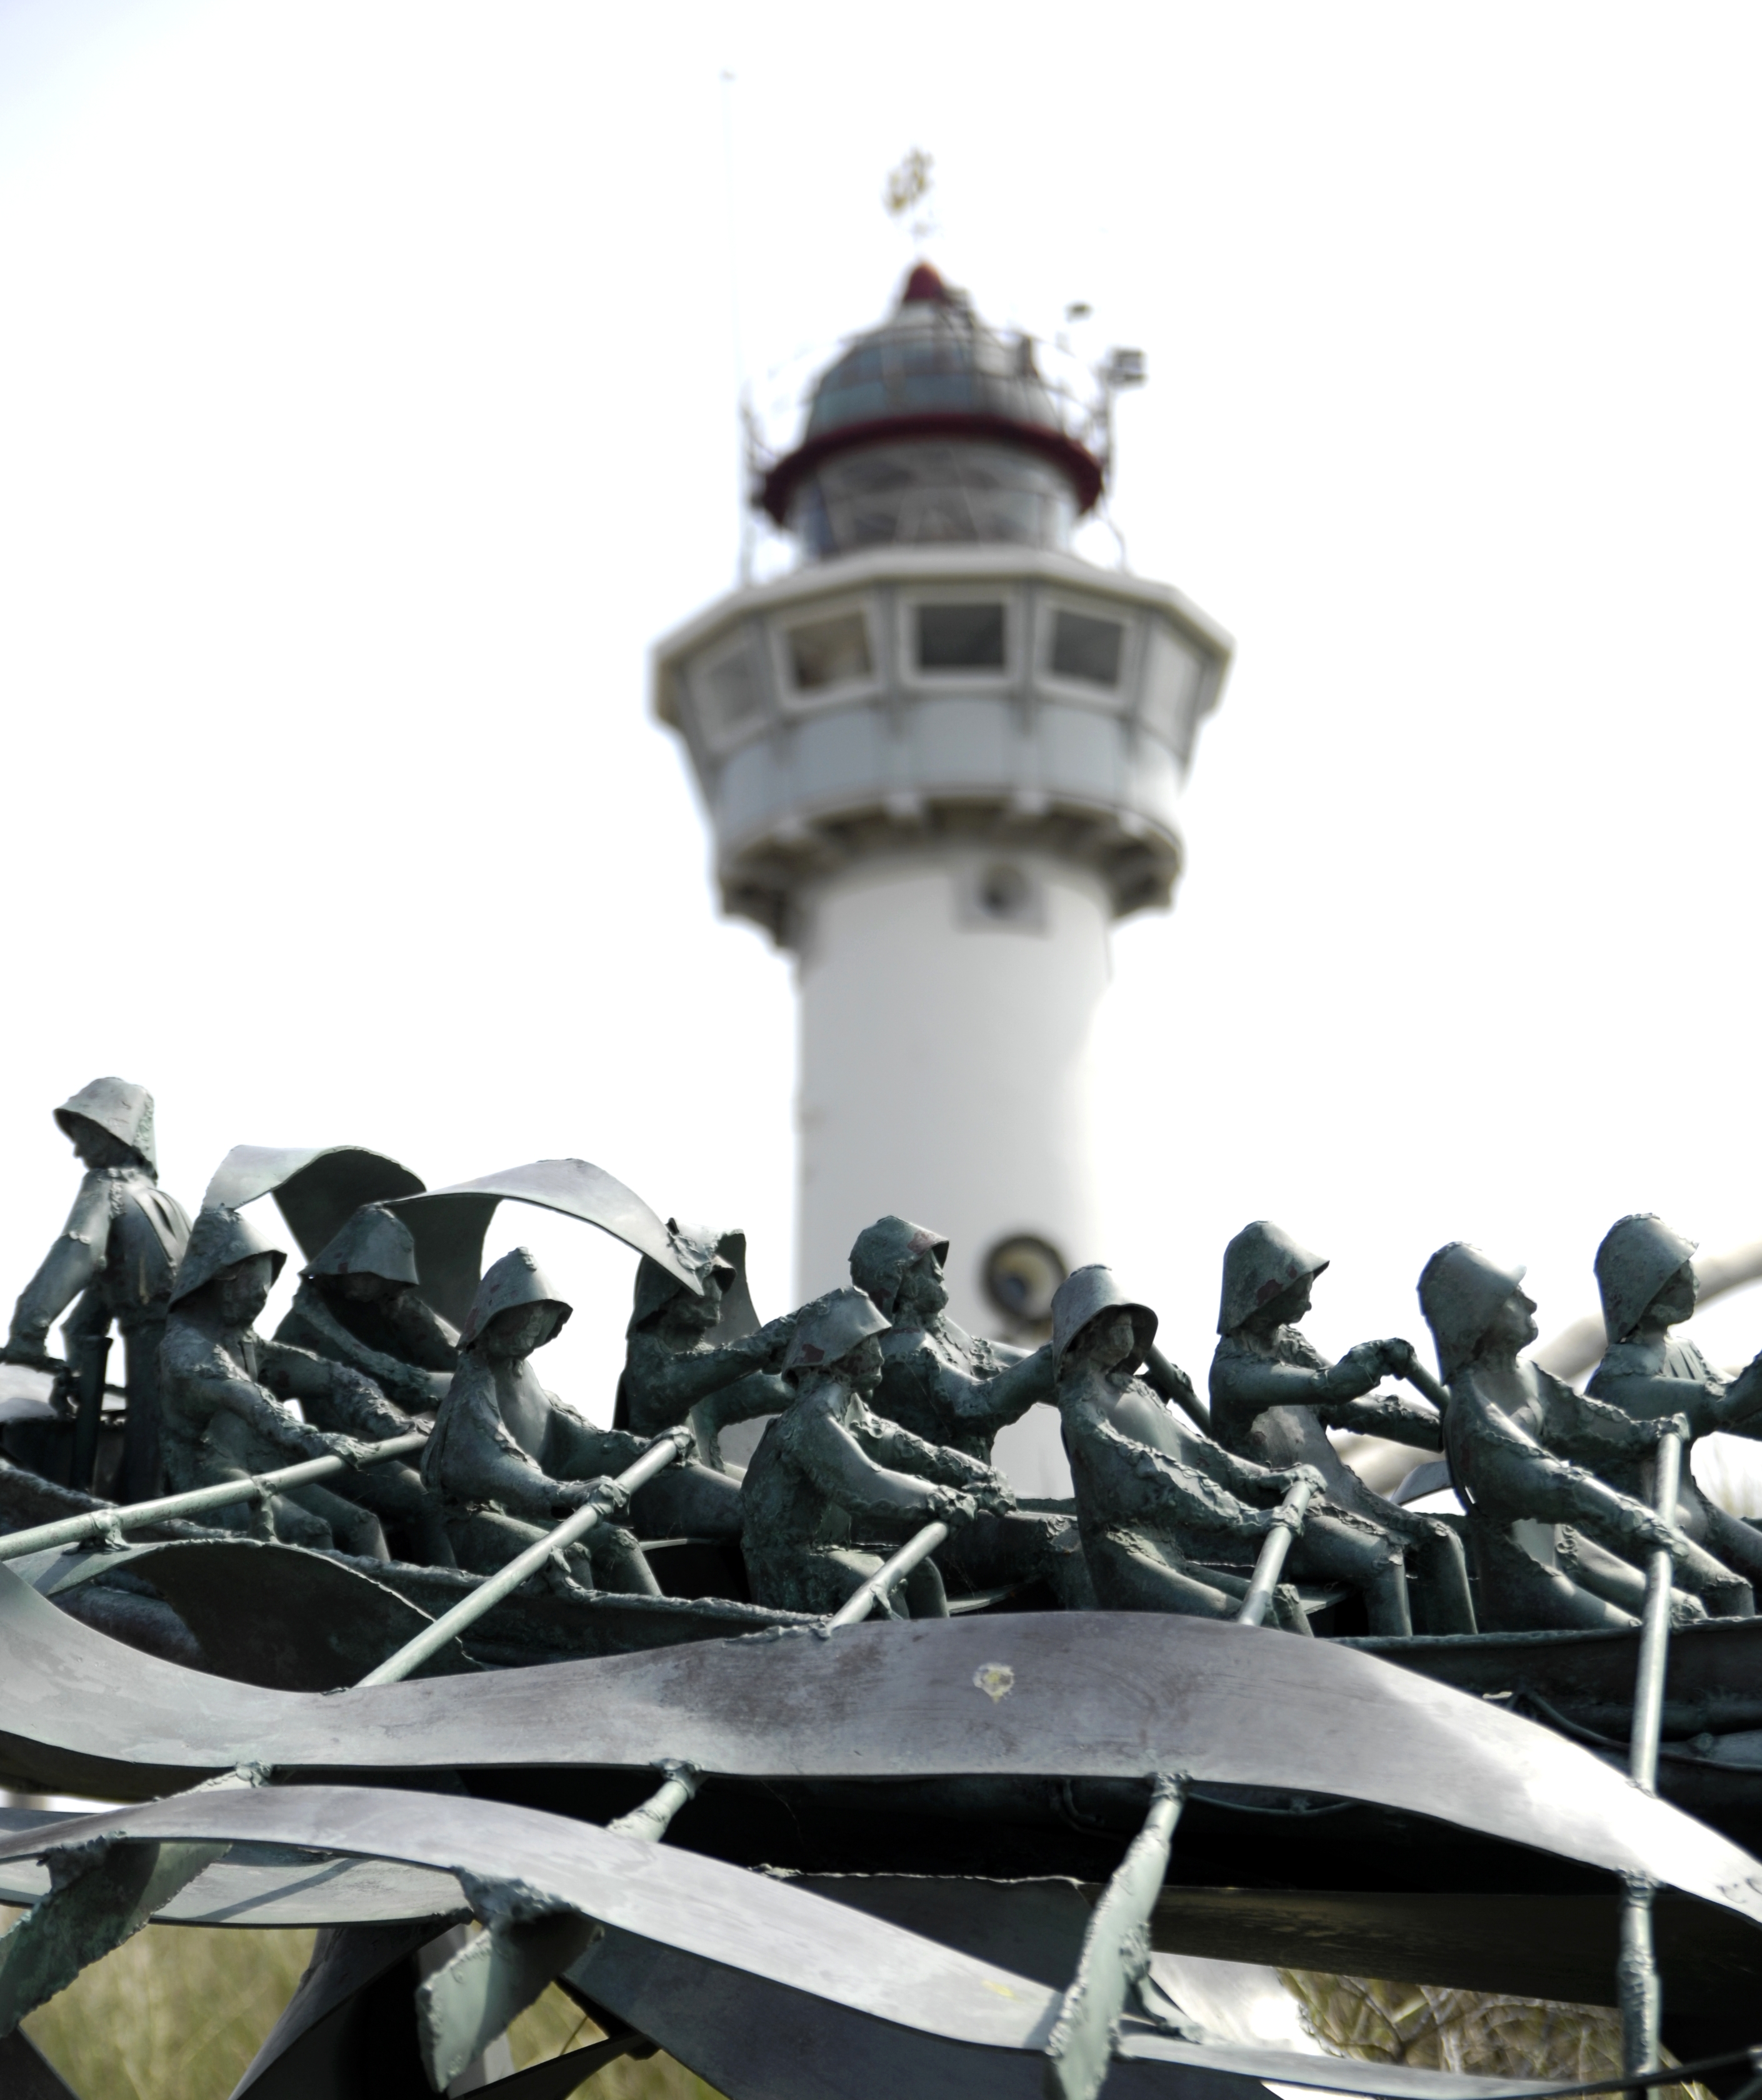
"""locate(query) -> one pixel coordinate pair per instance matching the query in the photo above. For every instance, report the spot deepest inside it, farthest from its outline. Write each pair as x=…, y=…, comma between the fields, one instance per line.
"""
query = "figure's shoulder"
x=474, y=1386
x=786, y=1432
x=1086, y=1402
x=1684, y=1360
x=189, y=1350
x=1634, y=1358
x=1232, y=1356
x=1291, y=1345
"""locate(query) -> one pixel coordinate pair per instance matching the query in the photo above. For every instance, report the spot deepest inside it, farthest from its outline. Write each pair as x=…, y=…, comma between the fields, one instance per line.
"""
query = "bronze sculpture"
x=956, y=1391
x=1645, y=1278
x=221, y=1419
x=1156, y=1498
x=1520, y=1445
x=828, y=1476
x=695, y=1358
x=1169, y=1516
x=117, y=1254
x=1274, y=1397
x=507, y=1458
x=359, y=1302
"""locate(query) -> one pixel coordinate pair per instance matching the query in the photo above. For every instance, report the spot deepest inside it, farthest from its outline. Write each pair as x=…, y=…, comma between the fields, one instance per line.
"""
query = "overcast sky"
x=366, y=411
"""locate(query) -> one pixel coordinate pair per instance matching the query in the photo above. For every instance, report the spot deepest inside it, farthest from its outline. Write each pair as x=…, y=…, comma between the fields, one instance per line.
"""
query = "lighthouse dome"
x=931, y=428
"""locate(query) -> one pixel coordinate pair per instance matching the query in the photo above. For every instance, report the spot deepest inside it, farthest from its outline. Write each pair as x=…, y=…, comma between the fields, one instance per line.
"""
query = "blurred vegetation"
x=1464, y=2031
x=175, y=2014
x=178, y=2012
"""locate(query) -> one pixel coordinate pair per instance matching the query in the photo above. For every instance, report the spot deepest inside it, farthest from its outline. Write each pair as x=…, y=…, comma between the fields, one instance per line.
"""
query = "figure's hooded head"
x=885, y=1250
x=705, y=1252
x=219, y=1240
x=515, y=1280
x=828, y=1329
x=1260, y=1264
x=372, y=1243
x=119, y=1108
x=1639, y=1256
x=1084, y=1295
x=1460, y=1289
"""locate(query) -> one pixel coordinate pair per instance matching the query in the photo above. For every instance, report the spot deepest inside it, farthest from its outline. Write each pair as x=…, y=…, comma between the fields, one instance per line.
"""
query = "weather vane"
x=907, y=187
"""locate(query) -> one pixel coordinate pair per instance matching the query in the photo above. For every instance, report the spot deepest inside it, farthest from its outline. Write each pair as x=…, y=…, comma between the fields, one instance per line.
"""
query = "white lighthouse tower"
x=940, y=757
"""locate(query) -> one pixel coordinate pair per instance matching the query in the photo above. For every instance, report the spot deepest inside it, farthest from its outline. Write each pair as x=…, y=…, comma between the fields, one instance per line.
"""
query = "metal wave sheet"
x=317, y=1188
x=449, y=1224
x=1103, y=1696
x=766, y=1989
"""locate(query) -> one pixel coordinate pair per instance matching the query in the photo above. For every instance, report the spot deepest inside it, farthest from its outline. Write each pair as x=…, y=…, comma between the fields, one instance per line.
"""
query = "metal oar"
x=660, y=1454
x=1427, y=1387
x=1287, y=1522
x=1116, y=1951
x=255, y=1487
x=1637, y=1970
x=861, y=1601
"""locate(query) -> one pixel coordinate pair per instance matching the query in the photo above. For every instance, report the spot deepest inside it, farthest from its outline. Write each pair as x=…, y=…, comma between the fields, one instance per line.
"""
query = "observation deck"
x=941, y=669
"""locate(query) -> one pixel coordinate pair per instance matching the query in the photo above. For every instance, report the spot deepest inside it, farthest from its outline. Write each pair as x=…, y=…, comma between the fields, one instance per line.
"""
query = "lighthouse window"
x=729, y=700
x=1087, y=649
x=960, y=637
x=830, y=652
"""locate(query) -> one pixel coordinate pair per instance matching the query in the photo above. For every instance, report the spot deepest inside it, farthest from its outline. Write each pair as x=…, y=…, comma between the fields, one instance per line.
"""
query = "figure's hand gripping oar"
x=664, y=1452
x=223, y=1494
x=1287, y=1522
x=1637, y=1970
x=1115, y=1954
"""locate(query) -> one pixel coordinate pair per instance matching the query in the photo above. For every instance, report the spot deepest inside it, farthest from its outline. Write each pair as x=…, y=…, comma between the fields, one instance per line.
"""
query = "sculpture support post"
x=1636, y=1971
x=857, y=1606
x=1115, y=1954
x=1288, y=1521
x=662, y=1453
x=91, y=1356
x=651, y=1820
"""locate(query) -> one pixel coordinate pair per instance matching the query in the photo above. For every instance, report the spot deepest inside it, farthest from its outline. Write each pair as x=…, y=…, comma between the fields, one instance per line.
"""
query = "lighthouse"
x=940, y=757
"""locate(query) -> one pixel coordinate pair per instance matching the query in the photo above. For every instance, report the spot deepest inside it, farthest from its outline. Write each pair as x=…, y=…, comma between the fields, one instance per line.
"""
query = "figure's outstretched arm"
x=1147, y=1485
x=405, y=1384
x=760, y=1393
x=1388, y=1415
x=296, y=1374
x=258, y=1407
x=1742, y=1405
x=472, y=1458
x=429, y=1340
x=69, y=1266
x=578, y=1450
x=1577, y=1426
x=1244, y=1478
x=1710, y=1404
x=891, y=1445
x=662, y=1388
x=845, y=1474
x=994, y=1403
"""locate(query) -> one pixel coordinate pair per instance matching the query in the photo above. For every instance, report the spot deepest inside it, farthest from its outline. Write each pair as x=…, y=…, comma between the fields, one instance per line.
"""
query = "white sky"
x=366, y=411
